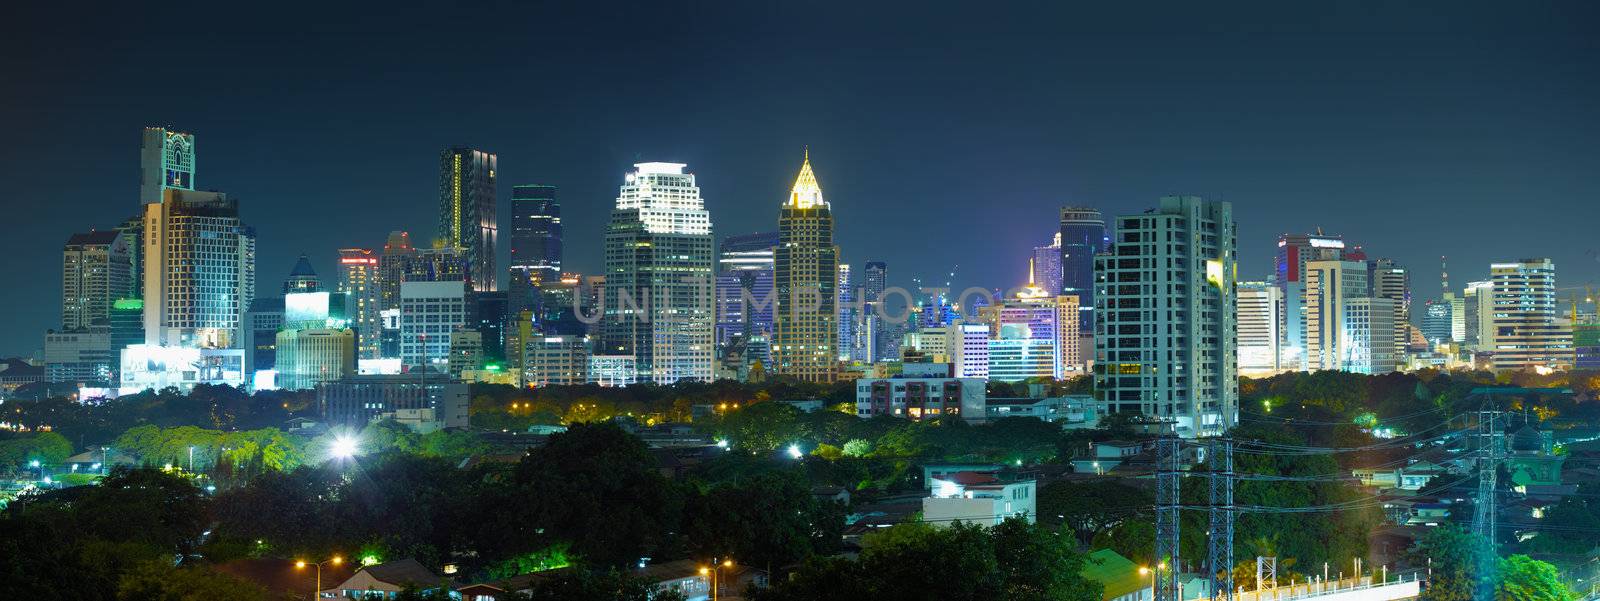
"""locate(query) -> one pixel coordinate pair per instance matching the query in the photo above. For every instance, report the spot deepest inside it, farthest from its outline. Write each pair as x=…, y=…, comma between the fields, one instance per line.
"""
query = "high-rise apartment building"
x=658, y=285
x=397, y=250
x=556, y=361
x=1329, y=284
x=95, y=272
x=1165, y=343
x=805, y=339
x=1083, y=235
x=199, y=270
x=1260, y=327
x=1526, y=332
x=466, y=210
x=1289, y=265
x=166, y=161
x=359, y=282
x=536, y=244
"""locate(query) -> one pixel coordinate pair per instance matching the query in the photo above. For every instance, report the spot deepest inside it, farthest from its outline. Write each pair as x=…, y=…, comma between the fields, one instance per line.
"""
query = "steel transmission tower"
x=1485, y=522
x=1220, y=539
x=1167, y=510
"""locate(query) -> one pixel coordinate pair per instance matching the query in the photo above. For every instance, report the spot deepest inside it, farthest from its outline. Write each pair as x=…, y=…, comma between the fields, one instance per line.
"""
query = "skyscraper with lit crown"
x=466, y=210
x=658, y=280
x=805, y=336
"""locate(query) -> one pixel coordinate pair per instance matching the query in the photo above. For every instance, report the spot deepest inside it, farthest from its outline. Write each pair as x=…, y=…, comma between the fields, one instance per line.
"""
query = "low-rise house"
x=386, y=580
x=1071, y=411
x=1106, y=456
x=979, y=498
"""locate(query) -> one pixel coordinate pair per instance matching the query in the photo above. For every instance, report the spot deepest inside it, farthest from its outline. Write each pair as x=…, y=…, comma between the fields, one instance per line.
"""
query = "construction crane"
x=1588, y=297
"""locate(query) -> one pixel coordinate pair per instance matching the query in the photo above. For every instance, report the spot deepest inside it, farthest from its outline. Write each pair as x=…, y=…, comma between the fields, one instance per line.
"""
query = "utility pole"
x=1220, y=542
x=1167, y=509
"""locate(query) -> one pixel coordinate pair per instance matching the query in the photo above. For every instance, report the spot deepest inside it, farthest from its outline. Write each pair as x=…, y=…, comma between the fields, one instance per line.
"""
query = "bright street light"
x=344, y=447
x=794, y=451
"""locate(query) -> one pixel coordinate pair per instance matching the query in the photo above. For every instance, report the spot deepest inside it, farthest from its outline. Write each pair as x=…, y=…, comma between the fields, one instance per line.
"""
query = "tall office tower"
x=490, y=314
x=1165, y=342
x=95, y=272
x=805, y=338
x=1047, y=266
x=397, y=249
x=1386, y=279
x=431, y=314
x=1478, y=298
x=1367, y=344
x=848, y=315
x=875, y=332
x=659, y=255
x=1289, y=266
x=1526, y=332
x=466, y=210
x=359, y=282
x=1436, y=321
x=127, y=323
x=535, y=244
x=556, y=361
x=744, y=291
x=302, y=278
x=436, y=265
x=1260, y=328
x=200, y=270
x=132, y=231
x=1083, y=235
x=1329, y=284
x=166, y=162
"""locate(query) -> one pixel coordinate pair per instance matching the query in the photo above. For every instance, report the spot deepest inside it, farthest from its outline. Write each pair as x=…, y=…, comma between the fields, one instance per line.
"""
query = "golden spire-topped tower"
x=806, y=193
x=805, y=337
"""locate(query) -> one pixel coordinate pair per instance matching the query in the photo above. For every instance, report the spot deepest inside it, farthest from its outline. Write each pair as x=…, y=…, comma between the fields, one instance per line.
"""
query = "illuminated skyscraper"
x=877, y=336
x=199, y=272
x=1083, y=235
x=466, y=210
x=359, y=281
x=848, y=317
x=166, y=161
x=1047, y=266
x=1165, y=338
x=744, y=306
x=658, y=286
x=535, y=244
x=805, y=339
x=95, y=272
x=1391, y=281
x=1330, y=285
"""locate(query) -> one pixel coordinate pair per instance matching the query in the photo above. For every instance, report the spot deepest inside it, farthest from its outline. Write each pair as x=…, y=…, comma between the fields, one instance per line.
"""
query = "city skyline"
x=1285, y=156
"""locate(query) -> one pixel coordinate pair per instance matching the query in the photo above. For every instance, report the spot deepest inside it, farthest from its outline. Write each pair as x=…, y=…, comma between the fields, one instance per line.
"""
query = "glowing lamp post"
x=301, y=565
x=715, y=568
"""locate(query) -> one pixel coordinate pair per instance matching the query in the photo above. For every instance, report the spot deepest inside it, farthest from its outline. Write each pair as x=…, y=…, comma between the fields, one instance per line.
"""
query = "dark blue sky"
x=943, y=135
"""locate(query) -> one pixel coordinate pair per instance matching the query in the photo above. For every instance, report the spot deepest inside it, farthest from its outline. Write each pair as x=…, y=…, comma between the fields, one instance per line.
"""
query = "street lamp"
x=1143, y=571
x=191, y=458
x=713, y=570
x=301, y=565
x=344, y=447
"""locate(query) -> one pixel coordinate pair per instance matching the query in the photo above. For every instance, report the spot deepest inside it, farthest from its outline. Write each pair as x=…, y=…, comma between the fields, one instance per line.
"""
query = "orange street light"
x=301, y=564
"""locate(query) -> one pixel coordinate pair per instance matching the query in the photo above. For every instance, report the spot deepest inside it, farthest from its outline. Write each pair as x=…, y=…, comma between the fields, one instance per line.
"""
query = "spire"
x=806, y=194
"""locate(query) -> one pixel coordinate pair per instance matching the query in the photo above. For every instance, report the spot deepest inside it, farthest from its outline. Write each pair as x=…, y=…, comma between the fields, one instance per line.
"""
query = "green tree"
x=1092, y=507
x=1453, y=555
x=599, y=488
x=1523, y=578
x=161, y=581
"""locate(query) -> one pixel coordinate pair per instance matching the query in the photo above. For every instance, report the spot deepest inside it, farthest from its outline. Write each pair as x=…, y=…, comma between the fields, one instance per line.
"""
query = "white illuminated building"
x=659, y=258
x=150, y=367
x=1260, y=328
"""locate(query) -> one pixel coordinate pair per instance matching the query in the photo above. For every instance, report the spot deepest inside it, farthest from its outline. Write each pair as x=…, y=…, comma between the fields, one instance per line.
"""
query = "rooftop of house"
x=1116, y=574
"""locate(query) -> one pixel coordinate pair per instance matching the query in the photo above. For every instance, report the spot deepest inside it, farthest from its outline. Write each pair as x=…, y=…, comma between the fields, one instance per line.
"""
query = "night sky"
x=943, y=135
